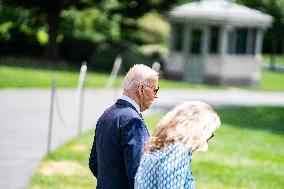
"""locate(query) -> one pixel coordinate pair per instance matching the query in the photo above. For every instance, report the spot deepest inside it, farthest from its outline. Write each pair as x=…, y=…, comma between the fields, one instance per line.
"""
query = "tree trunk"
x=272, y=54
x=282, y=46
x=53, y=24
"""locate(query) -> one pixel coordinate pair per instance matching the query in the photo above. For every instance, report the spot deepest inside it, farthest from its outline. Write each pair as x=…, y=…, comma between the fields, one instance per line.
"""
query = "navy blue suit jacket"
x=118, y=145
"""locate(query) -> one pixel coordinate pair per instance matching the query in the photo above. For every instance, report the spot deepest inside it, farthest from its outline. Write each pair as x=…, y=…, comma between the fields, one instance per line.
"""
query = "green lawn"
x=19, y=77
x=279, y=59
x=28, y=74
x=246, y=153
x=272, y=81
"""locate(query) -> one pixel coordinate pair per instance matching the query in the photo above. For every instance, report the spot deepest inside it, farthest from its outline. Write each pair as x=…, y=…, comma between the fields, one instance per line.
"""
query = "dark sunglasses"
x=155, y=90
x=210, y=137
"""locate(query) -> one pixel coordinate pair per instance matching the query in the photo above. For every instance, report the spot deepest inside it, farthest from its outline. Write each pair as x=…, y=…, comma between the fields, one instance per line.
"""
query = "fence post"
x=53, y=84
x=114, y=71
x=81, y=95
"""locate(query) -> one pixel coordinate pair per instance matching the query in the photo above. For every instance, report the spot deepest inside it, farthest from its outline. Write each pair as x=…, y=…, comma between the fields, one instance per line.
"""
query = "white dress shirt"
x=128, y=99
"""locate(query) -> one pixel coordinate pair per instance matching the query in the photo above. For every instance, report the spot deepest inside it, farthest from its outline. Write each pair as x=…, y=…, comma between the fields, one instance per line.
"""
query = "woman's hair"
x=137, y=75
x=190, y=123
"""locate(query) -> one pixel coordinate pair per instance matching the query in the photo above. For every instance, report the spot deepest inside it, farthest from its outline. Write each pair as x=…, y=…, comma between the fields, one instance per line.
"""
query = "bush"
x=76, y=49
x=101, y=56
x=104, y=56
x=20, y=43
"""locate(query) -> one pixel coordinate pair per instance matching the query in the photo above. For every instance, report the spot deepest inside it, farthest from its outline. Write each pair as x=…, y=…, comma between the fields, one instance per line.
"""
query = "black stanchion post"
x=49, y=137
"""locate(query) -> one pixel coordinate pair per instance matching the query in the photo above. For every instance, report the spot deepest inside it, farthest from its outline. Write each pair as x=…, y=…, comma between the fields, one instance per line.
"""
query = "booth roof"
x=220, y=11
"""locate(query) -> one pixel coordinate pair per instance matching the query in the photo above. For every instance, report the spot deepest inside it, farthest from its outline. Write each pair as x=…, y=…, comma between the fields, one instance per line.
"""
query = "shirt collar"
x=128, y=99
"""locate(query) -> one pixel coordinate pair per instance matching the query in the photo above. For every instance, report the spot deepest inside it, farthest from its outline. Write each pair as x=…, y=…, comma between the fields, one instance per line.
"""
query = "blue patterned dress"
x=165, y=169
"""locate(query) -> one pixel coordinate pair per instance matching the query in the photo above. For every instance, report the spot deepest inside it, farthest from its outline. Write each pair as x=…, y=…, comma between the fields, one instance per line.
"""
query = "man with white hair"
x=120, y=132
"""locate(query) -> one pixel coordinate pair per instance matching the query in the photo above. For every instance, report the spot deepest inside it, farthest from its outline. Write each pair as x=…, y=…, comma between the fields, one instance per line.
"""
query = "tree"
x=274, y=33
x=132, y=10
x=48, y=11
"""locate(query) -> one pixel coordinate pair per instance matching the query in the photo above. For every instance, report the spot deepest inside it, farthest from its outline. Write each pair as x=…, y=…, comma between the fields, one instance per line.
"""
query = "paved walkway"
x=24, y=116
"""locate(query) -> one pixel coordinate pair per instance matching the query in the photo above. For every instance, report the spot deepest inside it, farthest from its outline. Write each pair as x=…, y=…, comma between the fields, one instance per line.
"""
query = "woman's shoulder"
x=174, y=151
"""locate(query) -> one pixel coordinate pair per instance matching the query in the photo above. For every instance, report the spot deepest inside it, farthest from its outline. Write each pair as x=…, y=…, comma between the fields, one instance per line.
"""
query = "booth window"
x=195, y=41
x=214, y=39
x=242, y=41
x=178, y=36
x=252, y=41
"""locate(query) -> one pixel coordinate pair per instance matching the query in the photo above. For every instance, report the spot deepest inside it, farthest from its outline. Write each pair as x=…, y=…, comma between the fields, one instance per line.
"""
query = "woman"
x=182, y=131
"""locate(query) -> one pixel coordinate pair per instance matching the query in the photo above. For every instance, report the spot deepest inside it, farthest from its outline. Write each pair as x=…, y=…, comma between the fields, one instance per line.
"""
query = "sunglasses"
x=155, y=90
x=210, y=137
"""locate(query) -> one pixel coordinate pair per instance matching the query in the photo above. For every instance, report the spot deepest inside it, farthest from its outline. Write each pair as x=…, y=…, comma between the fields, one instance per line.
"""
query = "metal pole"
x=81, y=96
x=114, y=71
x=53, y=84
x=273, y=39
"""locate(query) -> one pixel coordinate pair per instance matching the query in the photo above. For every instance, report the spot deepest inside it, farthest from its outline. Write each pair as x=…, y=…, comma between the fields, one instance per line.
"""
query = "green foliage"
x=77, y=49
x=147, y=34
x=98, y=27
x=17, y=32
x=104, y=56
x=47, y=14
x=273, y=37
x=42, y=37
x=180, y=2
x=246, y=153
x=109, y=20
x=101, y=56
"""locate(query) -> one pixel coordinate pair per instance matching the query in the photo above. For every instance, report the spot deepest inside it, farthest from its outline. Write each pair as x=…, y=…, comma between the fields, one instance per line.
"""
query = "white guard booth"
x=216, y=42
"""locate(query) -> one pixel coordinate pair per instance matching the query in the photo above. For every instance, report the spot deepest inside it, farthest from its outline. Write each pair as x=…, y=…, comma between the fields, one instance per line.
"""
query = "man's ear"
x=140, y=90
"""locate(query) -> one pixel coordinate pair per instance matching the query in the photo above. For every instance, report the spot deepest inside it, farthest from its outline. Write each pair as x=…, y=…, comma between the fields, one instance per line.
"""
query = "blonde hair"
x=137, y=75
x=190, y=123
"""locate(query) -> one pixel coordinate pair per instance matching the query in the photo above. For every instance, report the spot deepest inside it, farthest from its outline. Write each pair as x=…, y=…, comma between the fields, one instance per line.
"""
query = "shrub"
x=105, y=54
x=76, y=49
x=20, y=43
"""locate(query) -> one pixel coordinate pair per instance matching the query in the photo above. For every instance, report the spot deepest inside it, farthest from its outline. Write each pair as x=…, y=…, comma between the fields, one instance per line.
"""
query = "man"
x=121, y=133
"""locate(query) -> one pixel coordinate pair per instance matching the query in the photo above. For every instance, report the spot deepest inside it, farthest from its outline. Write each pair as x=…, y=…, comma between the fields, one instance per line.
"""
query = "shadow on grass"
x=263, y=118
x=39, y=63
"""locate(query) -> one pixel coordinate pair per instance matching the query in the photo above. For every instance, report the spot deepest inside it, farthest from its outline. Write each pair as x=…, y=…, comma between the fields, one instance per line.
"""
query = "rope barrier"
x=55, y=105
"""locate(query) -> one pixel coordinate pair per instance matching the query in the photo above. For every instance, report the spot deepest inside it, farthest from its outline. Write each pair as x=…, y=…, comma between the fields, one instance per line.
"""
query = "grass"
x=279, y=59
x=66, y=167
x=17, y=77
x=246, y=153
x=272, y=81
x=28, y=74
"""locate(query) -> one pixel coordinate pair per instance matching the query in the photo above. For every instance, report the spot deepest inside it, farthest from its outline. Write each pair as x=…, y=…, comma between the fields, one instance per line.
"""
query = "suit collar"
x=126, y=103
x=131, y=101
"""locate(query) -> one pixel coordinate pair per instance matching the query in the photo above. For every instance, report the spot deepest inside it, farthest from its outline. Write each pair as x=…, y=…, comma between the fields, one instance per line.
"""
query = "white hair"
x=137, y=75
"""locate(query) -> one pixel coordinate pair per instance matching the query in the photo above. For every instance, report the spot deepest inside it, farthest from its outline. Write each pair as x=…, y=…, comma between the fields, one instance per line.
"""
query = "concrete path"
x=231, y=97
x=24, y=116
